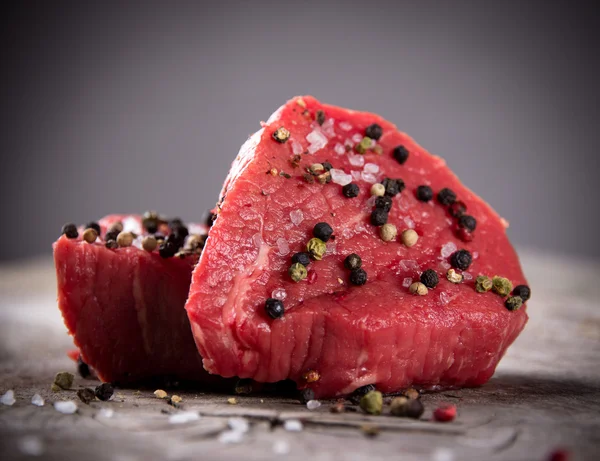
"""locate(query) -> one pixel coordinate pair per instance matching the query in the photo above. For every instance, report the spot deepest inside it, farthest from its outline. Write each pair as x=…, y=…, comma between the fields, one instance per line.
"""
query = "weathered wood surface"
x=545, y=394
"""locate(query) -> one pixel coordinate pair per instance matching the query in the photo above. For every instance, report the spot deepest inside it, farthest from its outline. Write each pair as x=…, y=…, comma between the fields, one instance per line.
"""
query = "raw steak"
x=124, y=306
x=334, y=336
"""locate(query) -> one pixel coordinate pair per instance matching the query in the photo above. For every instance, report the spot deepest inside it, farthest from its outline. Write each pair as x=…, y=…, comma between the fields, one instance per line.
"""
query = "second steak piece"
x=407, y=311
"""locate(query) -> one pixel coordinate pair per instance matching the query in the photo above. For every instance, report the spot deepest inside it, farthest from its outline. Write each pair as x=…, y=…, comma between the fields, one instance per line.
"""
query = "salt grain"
x=228, y=437
x=340, y=177
x=8, y=398
x=445, y=265
x=408, y=264
x=447, y=249
x=37, y=400
x=475, y=255
x=357, y=137
x=279, y=293
x=356, y=159
x=238, y=425
x=31, y=445
x=281, y=447
x=347, y=233
x=357, y=175
x=327, y=128
x=296, y=146
x=368, y=177
x=283, y=246
x=409, y=222
x=293, y=425
x=107, y=413
x=467, y=276
x=339, y=149
x=407, y=282
x=345, y=126
x=444, y=298
x=296, y=216
x=317, y=140
x=313, y=404
x=371, y=168
x=184, y=417
x=67, y=407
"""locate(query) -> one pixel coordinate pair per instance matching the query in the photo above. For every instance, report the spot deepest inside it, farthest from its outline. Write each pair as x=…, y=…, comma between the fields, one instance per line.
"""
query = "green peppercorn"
x=363, y=145
x=483, y=283
x=317, y=248
x=501, y=285
x=512, y=303
x=297, y=272
x=372, y=402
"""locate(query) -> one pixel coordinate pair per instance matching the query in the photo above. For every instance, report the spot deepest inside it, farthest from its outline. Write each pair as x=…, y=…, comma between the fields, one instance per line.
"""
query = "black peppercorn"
x=461, y=259
x=350, y=190
x=210, y=219
x=429, y=278
x=400, y=154
x=446, y=196
x=393, y=186
x=301, y=258
x=322, y=231
x=424, y=193
x=320, y=117
x=467, y=222
x=522, y=291
x=374, y=131
x=111, y=235
x=167, y=249
x=379, y=217
x=306, y=395
x=93, y=225
x=359, y=392
x=111, y=244
x=70, y=230
x=328, y=166
x=457, y=209
x=274, y=308
x=104, y=391
x=358, y=277
x=384, y=203
x=352, y=262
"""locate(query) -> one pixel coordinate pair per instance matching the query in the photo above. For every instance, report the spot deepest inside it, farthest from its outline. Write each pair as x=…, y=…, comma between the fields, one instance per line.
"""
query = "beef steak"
x=335, y=336
x=124, y=307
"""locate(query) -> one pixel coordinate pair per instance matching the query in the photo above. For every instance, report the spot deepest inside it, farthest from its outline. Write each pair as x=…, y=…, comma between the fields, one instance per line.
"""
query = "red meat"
x=378, y=333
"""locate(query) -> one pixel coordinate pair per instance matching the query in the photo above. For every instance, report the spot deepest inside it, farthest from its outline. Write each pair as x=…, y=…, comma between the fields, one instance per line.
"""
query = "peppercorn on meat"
x=393, y=306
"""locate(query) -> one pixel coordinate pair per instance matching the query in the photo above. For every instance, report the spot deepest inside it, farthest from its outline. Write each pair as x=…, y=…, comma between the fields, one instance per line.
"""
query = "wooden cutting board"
x=545, y=394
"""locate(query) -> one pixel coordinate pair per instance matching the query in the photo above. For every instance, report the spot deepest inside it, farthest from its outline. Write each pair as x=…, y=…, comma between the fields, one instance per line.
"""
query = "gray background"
x=121, y=108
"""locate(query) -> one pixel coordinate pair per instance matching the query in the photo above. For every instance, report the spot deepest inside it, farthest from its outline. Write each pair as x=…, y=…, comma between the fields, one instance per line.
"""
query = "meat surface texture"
x=125, y=308
x=377, y=333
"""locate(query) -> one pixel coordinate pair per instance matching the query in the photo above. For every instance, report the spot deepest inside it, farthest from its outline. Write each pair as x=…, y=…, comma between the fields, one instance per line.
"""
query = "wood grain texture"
x=544, y=395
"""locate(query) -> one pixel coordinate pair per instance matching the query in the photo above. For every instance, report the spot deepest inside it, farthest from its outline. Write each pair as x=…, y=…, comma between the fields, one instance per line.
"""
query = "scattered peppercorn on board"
x=545, y=395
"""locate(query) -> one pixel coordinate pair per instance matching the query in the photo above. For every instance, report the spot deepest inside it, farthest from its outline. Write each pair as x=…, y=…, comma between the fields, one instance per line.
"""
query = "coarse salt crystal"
x=313, y=404
x=282, y=246
x=184, y=417
x=37, y=400
x=339, y=149
x=357, y=137
x=371, y=168
x=296, y=146
x=356, y=159
x=348, y=143
x=345, y=126
x=227, y=437
x=317, y=140
x=107, y=413
x=347, y=233
x=356, y=175
x=467, y=276
x=296, y=216
x=340, y=177
x=359, y=227
x=327, y=128
x=408, y=264
x=67, y=407
x=407, y=282
x=279, y=293
x=238, y=425
x=444, y=298
x=447, y=249
x=281, y=447
x=409, y=222
x=445, y=265
x=31, y=445
x=370, y=203
x=475, y=255
x=293, y=425
x=8, y=398
x=368, y=177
